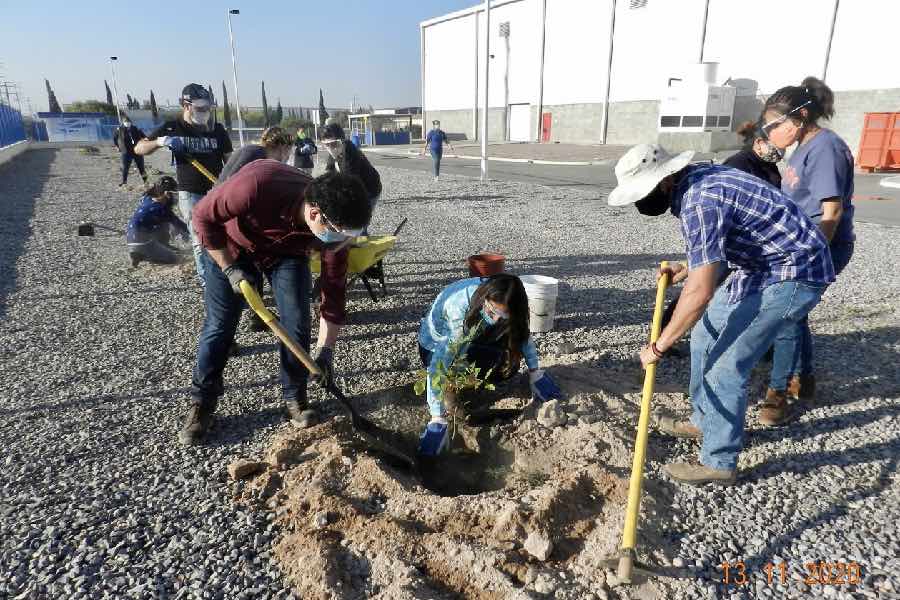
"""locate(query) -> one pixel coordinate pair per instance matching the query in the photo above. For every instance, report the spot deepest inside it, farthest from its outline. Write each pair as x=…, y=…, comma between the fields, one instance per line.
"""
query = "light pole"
x=237, y=97
x=112, y=63
x=487, y=65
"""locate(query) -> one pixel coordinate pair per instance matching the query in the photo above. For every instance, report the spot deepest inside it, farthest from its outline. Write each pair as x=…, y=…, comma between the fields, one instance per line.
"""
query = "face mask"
x=336, y=151
x=331, y=237
x=488, y=318
x=771, y=154
x=199, y=117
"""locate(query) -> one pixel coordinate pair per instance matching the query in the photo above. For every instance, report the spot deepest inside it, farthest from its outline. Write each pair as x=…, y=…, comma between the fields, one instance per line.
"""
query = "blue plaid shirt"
x=728, y=215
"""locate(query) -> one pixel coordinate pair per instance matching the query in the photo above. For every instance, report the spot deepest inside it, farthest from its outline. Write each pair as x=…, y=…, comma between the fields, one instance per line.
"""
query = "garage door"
x=520, y=122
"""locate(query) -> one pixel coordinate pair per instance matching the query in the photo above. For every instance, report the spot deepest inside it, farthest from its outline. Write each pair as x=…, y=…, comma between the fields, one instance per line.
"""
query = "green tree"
x=227, y=111
x=109, y=96
x=52, y=103
x=323, y=114
x=92, y=106
x=265, y=106
x=279, y=113
x=153, y=108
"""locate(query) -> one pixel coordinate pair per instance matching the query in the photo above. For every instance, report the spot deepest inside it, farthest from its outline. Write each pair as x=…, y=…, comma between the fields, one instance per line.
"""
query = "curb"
x=568, y=163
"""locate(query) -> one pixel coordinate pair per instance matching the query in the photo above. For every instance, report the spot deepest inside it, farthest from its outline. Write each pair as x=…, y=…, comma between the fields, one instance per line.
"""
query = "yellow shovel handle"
x=626, y=562
x=203, y=170
x=256, y=303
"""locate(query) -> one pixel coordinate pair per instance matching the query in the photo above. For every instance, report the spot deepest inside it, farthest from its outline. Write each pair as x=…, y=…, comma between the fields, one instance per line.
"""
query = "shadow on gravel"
x=22, y=181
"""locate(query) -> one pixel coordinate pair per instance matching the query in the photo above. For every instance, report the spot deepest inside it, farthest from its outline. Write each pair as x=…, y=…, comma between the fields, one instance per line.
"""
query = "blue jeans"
x=186, y=203
x=126, y=164
x=725, y=346
x=793, y=348
x=290, y=280
x=436, y=162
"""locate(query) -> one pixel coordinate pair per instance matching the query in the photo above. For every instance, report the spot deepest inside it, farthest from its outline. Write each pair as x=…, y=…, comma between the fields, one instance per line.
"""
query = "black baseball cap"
x=194, y=91
x=333, y=131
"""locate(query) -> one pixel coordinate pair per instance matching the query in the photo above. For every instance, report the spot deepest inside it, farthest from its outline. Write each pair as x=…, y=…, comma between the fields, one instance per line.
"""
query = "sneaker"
x=436, y=178
x=197, y=423
x=698, y=474
x=680, y=429
x=300, y=413
x=802, y=387
x=774, y=410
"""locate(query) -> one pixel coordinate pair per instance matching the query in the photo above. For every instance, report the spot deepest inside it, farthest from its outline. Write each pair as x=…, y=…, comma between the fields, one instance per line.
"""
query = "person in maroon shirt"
x=265, y=220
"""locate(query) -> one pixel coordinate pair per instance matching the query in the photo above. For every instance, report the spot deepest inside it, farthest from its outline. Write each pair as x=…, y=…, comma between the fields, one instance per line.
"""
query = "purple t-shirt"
x=819, y=169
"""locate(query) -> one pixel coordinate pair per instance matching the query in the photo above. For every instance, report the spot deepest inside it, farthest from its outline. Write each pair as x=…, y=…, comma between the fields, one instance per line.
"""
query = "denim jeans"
x=793, y=348
x=436, y=162
x=126, y=164
x=725, y=346
x=186, y=203
x=290, y=280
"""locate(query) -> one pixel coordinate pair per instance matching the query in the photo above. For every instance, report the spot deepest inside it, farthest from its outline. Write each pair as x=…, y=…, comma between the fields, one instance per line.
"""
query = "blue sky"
x=365, y=47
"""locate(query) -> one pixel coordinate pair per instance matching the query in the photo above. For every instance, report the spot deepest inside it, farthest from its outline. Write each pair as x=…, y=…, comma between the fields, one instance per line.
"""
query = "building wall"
x=653, y=43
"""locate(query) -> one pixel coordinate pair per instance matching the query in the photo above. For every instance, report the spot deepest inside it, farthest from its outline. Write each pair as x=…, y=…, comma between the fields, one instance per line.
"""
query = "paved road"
x=874, y=204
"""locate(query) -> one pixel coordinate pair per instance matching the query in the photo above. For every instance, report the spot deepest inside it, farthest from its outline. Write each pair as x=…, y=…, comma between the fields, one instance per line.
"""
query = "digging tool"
x=366, y=429
x=625, y=562
x=203, y=170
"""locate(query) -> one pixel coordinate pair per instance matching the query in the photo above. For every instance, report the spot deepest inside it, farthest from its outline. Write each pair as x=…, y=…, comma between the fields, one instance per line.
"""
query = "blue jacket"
x=443, y=324
x=150, y=219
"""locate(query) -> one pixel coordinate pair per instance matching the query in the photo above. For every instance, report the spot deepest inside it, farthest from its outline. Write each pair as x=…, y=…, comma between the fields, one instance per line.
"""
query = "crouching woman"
x=480, y=323
x=149, y=229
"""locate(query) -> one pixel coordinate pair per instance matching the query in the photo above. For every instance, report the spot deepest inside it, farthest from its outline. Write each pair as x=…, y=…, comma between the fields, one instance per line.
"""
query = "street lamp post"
x=237, y=97
x=112, y=62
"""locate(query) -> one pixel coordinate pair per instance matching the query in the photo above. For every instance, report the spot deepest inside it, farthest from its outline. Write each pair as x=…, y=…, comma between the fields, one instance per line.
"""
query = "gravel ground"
x=97, y=499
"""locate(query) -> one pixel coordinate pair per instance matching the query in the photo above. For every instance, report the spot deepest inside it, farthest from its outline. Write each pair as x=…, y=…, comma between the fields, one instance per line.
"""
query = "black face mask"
x=655, y=204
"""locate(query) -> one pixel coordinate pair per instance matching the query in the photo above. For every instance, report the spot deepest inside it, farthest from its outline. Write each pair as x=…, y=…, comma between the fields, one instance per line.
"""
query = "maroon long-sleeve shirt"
x=258, y=211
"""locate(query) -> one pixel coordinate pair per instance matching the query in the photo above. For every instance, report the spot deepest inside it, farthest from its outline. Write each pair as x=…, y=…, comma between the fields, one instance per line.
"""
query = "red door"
x=546, y=121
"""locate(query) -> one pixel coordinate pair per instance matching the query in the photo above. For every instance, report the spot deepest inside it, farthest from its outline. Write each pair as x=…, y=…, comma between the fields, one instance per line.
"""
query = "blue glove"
x=173, y=143
x=543, y=387
x=433, y=440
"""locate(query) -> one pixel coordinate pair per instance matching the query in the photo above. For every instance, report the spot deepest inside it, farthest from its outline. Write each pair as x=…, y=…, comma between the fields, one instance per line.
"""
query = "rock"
x=545, y=585
x=243, y=468
x=551, y=415
x=566, y=348
x=539, y=545
x=320, y=520
x=678, y=562
x=509, y=526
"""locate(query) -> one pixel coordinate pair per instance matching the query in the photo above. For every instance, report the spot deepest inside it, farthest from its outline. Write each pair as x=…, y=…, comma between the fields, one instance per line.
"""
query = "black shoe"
x=197, y=422
x=300, y=413
x=234, y=349
x=135, y=259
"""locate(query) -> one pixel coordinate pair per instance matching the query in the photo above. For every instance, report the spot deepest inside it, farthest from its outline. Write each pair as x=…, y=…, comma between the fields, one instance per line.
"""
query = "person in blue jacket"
x=493, y=312
x=149, y=229
x=434, y=141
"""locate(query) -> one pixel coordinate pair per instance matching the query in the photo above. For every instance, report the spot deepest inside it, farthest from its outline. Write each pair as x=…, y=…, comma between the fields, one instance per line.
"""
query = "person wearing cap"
x=781, y=265
x=150, y=227
x=434, y=141
x=345, y=157
x=304, y=151
x=191, y=137
x=124, y=138
x=264, y=221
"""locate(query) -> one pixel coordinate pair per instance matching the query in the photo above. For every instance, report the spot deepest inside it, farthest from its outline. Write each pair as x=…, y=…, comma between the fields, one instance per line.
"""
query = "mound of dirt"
x=356, y=527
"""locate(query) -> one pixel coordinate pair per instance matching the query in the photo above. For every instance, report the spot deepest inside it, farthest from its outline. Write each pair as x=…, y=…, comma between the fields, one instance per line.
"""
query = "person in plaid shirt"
x=781, y=265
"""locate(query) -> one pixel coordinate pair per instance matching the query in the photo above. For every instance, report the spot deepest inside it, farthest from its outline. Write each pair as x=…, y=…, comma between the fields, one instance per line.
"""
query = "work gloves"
x=173, y=143
x=324, y=359
x=543, y=388
x=435, y=438
x=236, y=274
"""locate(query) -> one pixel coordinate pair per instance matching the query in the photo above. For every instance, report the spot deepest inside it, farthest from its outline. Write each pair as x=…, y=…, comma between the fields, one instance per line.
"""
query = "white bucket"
x=542, y=292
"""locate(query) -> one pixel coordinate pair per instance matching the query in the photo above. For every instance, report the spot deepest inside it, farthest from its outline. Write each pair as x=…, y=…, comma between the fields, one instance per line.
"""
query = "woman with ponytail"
x=485, y=320
x=819, y=179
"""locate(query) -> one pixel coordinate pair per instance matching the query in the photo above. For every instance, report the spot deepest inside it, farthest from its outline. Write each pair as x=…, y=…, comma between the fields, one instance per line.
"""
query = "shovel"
x=371, y=433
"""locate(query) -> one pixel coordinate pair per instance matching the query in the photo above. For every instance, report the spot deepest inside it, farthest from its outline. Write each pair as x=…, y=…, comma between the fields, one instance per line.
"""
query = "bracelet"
x=656, y=351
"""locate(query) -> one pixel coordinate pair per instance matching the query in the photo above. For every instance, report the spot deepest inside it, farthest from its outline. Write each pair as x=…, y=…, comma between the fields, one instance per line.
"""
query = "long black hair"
x=508, y=290
x=811, y=95
x=163, y=184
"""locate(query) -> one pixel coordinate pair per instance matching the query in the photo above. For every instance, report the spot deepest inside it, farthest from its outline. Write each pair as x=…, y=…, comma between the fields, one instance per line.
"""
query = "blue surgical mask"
x=488, y=318
x=331, y=237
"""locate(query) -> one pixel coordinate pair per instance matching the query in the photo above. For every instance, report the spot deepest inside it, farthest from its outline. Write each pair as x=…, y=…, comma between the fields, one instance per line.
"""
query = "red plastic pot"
x=485, y=265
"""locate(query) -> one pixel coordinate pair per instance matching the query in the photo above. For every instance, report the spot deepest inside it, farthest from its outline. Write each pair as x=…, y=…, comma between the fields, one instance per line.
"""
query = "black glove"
x=236, y=274
x=324, y=359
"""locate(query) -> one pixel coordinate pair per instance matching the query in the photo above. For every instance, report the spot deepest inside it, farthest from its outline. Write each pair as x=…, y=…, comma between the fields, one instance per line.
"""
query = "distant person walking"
x=191, y=137
x=434, y=141
x=150, y=227
x=125, y=138
x=305, y=149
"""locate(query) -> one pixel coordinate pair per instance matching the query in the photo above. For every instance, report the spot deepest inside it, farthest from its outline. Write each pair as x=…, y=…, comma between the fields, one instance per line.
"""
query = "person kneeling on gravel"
x=484, y=322
x=781, y=269
x=264, y=221
x=149, y=229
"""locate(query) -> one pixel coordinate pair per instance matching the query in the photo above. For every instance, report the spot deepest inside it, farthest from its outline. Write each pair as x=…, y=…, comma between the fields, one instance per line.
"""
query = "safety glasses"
x=331, y=227
x=494, y=312
x=776, y=122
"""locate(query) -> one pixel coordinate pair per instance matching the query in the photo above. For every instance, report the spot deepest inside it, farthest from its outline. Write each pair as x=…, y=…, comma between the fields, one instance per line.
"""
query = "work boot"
x=300, y=413
x=802, y=387
x=680, y=429
x=774, y=410
x=698, y=474
x=197, y=423
x=135, y=259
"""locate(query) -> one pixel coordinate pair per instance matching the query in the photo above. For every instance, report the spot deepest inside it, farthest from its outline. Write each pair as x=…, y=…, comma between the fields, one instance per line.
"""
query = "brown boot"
x=680, y=429
x=802, y=387
x=774, y=410
x=698, y=474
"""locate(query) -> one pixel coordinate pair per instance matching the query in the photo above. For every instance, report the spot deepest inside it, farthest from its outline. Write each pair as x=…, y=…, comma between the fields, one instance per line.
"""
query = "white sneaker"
x=435, y=178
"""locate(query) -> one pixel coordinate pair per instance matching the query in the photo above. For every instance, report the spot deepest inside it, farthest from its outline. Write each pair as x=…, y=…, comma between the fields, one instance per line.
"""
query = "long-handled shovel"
x=625, y=562
x=371, y=433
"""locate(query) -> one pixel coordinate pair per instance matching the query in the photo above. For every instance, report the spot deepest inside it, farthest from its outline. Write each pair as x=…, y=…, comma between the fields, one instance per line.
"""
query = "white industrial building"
x=551, y=69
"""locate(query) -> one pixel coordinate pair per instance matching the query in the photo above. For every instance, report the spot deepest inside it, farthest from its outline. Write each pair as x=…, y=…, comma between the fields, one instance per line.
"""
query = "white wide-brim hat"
x=641, y=170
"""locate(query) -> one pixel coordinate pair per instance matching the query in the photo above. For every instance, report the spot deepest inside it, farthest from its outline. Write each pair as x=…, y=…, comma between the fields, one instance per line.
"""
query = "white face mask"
x=336, y=151
x=199, y=117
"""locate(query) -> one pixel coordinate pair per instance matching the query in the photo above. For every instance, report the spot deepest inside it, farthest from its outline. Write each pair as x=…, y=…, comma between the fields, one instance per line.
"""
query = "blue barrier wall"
x=12, y=128
x=390, y=138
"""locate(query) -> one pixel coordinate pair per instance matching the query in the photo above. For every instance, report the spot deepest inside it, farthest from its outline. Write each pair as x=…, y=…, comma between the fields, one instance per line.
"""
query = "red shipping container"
x=879, y=145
